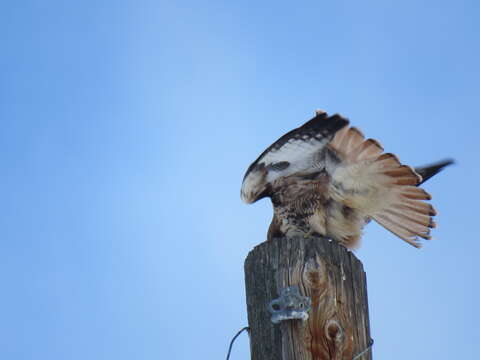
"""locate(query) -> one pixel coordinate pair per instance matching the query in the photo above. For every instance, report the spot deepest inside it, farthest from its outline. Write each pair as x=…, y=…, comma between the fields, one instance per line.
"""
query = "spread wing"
x=296, y=151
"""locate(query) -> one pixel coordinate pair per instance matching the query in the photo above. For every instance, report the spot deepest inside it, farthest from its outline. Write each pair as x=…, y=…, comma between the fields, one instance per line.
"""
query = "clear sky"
x=126, y=128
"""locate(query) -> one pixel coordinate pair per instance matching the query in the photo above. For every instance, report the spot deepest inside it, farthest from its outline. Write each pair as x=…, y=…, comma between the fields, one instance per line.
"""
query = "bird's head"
x=255, y=185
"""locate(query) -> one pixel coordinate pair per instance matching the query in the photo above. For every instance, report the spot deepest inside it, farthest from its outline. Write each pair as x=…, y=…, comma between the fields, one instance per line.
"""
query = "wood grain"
x=338, y=324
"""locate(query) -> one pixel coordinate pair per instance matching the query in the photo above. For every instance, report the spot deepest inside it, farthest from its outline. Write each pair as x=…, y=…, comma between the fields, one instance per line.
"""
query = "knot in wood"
x=334, y=332
x=289, y=306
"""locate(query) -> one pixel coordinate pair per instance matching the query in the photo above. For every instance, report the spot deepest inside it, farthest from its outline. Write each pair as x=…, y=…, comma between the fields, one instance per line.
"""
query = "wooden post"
x=332, y=277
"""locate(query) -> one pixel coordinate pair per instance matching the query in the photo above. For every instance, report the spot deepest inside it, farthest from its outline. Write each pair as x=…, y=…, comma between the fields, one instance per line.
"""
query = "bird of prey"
x=325, y=178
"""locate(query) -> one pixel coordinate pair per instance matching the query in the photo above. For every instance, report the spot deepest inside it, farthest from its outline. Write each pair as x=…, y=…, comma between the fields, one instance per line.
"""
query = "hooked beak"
x=250, y=198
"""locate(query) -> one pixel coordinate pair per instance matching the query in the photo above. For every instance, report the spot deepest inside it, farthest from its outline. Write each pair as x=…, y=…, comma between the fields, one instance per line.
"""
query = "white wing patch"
x=299, y=153
x=298, y=148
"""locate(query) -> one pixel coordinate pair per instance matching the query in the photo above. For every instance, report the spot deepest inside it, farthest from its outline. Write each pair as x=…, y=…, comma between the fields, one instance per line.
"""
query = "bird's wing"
x=377, y=185
x=295, y=151
x=427, y=171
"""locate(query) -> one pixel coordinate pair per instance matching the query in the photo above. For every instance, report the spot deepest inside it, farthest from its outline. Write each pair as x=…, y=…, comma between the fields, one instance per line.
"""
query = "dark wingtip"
x=322, y=120
x=426, y=172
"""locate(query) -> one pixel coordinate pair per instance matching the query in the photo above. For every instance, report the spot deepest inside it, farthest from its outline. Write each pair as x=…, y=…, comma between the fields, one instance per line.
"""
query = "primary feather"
x=325, y=177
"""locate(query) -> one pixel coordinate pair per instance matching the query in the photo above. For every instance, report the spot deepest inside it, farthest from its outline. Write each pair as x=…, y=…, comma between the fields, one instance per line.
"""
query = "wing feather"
x=297, y=148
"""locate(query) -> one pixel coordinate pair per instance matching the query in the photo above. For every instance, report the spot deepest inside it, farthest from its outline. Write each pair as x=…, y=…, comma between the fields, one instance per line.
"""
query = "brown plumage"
x=325, y=177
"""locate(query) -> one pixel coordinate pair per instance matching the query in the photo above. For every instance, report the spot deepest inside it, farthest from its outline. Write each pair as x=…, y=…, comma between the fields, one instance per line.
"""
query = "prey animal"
x=325, y=178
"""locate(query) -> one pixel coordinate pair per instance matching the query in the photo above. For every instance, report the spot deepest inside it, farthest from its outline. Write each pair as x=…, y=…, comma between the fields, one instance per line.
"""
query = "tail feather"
x=403, y=172
x=417, y=206
x=386, y=161
x=405, y=180
x=411, y=216
x=402, y=233
x=354, y=139
x=416, y=194
x=368, y=150
x=341, y=138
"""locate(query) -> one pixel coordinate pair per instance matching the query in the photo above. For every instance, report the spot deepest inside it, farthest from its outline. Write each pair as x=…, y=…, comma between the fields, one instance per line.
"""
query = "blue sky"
x=126, y=127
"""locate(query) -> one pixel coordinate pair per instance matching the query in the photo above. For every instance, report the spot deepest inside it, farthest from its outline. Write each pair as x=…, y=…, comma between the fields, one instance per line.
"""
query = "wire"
x=233, y=340
x=359, y=355
x=356, y=357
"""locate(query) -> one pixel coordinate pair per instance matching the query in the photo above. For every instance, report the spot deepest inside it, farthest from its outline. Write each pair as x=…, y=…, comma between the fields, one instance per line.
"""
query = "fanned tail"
x=380, y=187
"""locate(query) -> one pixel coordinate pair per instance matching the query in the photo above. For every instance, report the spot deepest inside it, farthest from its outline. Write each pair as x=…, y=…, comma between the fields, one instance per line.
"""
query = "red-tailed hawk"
x=326, y=178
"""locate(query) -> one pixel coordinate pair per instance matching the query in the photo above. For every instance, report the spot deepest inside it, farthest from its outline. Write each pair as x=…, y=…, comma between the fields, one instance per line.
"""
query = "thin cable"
x=359, y=355
x=233, y=340
x=356, y=357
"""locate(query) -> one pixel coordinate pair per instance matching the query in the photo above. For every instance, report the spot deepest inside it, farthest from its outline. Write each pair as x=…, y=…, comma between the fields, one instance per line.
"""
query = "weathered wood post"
x=334, y=284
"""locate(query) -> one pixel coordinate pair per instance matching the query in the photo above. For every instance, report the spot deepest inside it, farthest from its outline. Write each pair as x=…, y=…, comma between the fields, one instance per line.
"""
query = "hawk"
x=325, y=178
